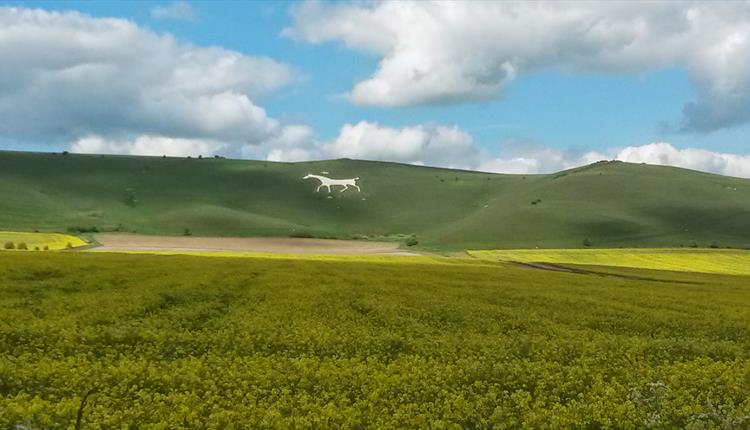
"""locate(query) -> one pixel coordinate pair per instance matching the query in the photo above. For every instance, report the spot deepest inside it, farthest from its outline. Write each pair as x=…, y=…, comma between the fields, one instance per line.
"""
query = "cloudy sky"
x=498, y=86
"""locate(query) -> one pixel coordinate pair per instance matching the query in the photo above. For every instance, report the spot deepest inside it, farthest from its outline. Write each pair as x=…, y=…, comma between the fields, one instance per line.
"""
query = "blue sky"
x=555, y=107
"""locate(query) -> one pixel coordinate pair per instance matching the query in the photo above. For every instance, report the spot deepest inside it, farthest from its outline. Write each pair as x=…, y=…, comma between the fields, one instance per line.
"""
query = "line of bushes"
x=22, y=246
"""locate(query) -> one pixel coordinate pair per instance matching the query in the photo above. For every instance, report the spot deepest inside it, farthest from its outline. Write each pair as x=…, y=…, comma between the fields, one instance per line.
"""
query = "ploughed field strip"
x=174, y=341
x=177, y=244
x=723, y=261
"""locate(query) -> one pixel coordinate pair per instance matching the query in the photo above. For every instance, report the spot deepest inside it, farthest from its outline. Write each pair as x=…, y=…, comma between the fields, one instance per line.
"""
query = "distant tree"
x=412, y=241
x=10, y=245
x=36, y=248
x=68, y=245
x=46, y=248
x=587, y=243
x=186, y=232
x=714, y=245
x=22, y=245
x=65, y=153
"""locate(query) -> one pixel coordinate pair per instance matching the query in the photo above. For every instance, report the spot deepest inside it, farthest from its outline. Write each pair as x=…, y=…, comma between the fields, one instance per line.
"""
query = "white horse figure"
x=328, y=182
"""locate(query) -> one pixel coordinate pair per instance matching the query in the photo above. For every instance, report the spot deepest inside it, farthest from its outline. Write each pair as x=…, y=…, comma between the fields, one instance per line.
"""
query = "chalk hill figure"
x=328, y=182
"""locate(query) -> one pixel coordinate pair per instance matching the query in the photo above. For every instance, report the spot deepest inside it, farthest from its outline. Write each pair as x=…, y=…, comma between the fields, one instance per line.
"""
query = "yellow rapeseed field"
x=726, y=261
x=53, y=241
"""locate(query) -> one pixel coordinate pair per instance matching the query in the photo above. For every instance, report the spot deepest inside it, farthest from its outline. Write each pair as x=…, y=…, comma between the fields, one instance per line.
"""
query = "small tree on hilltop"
x=10, y=245
x=587, y=243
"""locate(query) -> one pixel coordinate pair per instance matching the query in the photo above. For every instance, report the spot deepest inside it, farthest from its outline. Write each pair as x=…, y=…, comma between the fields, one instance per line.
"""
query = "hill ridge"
x=606, y=204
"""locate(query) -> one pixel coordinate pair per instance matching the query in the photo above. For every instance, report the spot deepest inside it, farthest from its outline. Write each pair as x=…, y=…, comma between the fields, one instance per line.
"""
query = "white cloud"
x=66, y=76
x=147, y=145
x=548, y=160
x=435, y=52
x=431, y=144
x=689, y=158
x=539, y=160
x=178, y=10
x=293, y=143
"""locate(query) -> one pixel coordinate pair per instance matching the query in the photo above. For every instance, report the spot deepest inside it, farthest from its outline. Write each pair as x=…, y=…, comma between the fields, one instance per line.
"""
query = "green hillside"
x=609, y=203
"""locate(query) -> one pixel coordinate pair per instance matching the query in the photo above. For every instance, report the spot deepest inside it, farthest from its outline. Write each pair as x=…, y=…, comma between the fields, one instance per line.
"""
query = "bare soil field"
x=137, y=242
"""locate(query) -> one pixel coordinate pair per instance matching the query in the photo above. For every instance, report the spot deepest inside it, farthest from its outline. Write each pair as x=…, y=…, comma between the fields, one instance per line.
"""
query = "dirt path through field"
x=137, y=242
x=559, y=268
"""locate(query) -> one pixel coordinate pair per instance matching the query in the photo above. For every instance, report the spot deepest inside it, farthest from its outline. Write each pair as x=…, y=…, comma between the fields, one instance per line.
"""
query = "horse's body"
x=328, y=182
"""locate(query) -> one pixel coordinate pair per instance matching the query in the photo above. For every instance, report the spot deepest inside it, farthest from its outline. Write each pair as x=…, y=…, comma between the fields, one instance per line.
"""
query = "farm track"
x=580, y=271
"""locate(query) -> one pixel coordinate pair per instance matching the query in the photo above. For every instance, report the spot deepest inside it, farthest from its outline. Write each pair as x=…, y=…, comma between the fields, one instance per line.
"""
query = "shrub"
x=10, y=245
x=587, y=243
x=22, y=245
x=412, y=241
x=75, y=229
x=46, y=248
x=36, y=248
x=302, y=235
x=714, y=245
x=186, y=232
x=68, y=245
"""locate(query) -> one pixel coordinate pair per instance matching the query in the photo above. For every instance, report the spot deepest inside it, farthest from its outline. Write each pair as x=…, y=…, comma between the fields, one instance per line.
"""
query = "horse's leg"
x=358, y=190
x=319, y=187
x=329, y=188
x=346, y=187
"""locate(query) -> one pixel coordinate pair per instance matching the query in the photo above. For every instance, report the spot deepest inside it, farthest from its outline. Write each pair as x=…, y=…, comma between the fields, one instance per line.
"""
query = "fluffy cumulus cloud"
x=533, y=159
x=147, y=145
x=435, y=52
x=689, y=158
x=527, y=158
x=431, y=144
x=423, y=144
x=69, y=77
x=293, y=143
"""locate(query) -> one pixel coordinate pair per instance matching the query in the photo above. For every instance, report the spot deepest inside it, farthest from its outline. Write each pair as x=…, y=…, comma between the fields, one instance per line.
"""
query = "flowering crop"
x=170, y=341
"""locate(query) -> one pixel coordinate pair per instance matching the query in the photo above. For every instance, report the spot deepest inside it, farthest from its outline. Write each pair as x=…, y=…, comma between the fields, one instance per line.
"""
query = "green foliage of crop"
x=168, y=342
x=445, y=209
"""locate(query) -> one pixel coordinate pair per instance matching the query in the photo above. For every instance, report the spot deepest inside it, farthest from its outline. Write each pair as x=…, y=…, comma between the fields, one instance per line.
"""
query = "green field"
x=444, y=209
x=173, y=342
x=726, y=261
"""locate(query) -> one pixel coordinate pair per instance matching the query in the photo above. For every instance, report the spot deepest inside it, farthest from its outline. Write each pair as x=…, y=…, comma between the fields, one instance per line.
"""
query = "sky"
x=530, y=87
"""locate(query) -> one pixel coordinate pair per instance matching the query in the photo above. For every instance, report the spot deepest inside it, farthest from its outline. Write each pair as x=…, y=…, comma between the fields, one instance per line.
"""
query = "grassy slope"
x=189, y=342
x=612, y=204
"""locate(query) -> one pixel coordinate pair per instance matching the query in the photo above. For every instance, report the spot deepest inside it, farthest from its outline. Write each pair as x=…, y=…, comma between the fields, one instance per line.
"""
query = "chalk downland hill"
x=607, y=204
